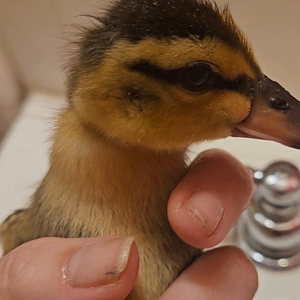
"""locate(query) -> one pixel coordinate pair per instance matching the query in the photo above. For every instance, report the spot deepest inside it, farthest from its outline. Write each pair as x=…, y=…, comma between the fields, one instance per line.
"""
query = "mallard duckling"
x=149, y=79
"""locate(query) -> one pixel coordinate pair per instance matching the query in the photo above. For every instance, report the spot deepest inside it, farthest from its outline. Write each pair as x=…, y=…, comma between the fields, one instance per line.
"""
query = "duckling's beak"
x=274, y=115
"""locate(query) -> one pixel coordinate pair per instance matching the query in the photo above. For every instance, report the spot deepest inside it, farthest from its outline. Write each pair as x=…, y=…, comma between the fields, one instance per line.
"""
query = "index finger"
x=209, y=200
x=223, y=273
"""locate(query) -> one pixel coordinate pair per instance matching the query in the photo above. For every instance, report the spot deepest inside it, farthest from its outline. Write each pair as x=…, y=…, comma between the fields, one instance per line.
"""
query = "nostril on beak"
x=279, y=104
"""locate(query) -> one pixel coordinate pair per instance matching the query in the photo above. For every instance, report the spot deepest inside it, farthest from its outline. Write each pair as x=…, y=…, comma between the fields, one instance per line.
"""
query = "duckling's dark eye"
x=194, y=78
x=279, y=104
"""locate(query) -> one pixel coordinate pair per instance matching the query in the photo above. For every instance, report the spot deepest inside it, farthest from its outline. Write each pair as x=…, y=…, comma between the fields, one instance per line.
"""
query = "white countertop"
x=23, y=163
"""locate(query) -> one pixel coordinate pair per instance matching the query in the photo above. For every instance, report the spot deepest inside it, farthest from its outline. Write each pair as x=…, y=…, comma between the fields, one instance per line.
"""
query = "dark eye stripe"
x=169, y=76
x=243, y=84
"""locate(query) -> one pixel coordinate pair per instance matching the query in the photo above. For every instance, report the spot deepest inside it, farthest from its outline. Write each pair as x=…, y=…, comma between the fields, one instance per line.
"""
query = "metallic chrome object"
x=269, y=231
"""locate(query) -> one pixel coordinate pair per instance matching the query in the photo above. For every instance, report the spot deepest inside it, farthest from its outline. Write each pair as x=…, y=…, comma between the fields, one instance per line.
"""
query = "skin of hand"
x=202, y=209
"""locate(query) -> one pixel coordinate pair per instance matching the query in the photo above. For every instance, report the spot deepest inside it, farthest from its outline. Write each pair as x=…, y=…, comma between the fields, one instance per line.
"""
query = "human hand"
x=203, y=208
x=106, y=267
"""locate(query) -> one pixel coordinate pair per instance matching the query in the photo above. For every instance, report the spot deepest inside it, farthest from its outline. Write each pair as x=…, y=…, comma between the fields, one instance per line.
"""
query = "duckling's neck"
x=129, y=183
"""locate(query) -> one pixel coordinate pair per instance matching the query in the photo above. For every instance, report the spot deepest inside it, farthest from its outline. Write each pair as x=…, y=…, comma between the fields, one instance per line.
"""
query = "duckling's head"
x=166, y=74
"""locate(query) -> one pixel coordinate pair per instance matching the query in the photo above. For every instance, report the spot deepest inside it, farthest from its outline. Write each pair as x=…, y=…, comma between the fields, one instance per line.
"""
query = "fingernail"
x=99, y=264
x=207, y=210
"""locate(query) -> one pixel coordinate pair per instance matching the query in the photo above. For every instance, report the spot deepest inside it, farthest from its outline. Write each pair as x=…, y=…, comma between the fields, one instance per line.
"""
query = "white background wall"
x=33, y=33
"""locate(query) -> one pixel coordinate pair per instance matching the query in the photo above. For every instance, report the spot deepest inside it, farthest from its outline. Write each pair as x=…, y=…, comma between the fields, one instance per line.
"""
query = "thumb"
x=70, y=269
